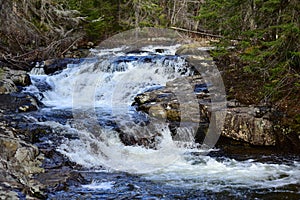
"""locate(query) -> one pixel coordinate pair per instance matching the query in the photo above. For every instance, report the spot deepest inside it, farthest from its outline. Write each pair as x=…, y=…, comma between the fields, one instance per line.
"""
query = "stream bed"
x=87, y=106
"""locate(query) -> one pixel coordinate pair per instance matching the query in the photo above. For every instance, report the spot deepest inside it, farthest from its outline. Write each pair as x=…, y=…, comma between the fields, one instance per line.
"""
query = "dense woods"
x=264, y=66
x=265, y=34
x=42, y=29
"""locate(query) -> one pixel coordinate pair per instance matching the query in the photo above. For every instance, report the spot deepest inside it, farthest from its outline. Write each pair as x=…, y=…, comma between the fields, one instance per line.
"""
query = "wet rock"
x=146, y=140
x=176, y=102
x=188, y=99
x=142, y=98
x=160, y=50
x=7, y=86
x=136, y=51
x=19, y=161
x=18, y=102
x=13, y=80
x=60, y=179
x=59, y=171
x=20, y=78
x=55, y=65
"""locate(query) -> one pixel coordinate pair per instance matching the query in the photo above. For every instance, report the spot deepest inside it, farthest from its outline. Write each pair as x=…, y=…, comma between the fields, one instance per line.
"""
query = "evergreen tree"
x=100, y=17
x=268, y=38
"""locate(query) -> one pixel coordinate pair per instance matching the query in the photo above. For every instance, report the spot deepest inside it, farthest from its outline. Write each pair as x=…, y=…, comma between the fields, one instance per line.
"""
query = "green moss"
x=1, y=73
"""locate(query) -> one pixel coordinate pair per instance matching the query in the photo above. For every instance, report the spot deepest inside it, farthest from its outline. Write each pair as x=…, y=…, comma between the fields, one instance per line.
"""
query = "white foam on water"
x=169, y=162
x=176, y=166
x=106, y=78
x=208, y=173
x=108, y=52
x=96, y=185
x=109, y=152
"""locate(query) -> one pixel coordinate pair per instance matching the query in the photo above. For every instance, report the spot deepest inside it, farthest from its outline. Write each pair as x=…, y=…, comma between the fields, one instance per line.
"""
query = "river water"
x=96, y=99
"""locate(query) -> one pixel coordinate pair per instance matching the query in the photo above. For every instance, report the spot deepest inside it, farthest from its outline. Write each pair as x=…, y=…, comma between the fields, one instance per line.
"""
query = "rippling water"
x=98, y=97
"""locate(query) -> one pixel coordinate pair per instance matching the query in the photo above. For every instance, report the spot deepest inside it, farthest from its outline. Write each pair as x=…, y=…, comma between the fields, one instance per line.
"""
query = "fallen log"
x=196, y=32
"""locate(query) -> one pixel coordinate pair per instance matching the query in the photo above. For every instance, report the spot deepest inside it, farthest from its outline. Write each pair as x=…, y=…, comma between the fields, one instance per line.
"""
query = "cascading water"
x=100, y=93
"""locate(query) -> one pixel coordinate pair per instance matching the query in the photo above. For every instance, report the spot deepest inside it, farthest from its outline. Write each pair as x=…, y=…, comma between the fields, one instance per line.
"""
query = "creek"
x=89, y=104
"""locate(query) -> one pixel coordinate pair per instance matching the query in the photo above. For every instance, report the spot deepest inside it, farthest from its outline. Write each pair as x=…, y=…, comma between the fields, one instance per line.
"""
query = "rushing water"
x=99, y=93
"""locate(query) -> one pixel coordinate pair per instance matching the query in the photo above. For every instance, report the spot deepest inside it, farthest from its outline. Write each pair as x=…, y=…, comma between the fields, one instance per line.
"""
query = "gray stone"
x=10, y=79
x=241, y=124
x=7, y=194
x=250, y=124
x=19, y=161
x=18, y=102
x=55, y=65
x=19, y=77
x=7, y=86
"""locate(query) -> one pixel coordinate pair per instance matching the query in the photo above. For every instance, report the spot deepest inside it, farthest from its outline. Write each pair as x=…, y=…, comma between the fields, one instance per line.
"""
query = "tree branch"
x=196, y=32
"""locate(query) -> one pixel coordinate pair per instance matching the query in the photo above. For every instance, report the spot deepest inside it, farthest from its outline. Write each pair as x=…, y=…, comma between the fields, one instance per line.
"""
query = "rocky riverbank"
x=253, y=124
x=28, y=168
x=20, y=161
x=250, y=124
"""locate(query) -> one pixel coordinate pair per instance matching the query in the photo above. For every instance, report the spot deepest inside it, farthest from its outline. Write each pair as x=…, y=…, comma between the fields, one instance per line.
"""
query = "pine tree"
x=268, y=38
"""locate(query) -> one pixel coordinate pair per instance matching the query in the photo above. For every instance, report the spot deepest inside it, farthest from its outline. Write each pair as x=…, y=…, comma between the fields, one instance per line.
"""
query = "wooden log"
x=197, y=32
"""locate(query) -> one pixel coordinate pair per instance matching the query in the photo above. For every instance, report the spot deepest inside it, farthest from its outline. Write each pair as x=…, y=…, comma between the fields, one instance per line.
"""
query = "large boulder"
x=18, y=102
x=163, y=103
x=55, y=65
x=145, y=140
x=249, y=124
x=19, y=77
x=13, y=80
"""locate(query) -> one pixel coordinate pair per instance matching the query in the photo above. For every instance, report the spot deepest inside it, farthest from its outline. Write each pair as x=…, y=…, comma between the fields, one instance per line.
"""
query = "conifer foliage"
x=267, y=34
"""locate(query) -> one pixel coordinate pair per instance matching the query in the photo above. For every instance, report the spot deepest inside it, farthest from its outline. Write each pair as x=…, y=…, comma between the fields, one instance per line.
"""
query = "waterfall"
x=100, y=96
x=104, y=91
